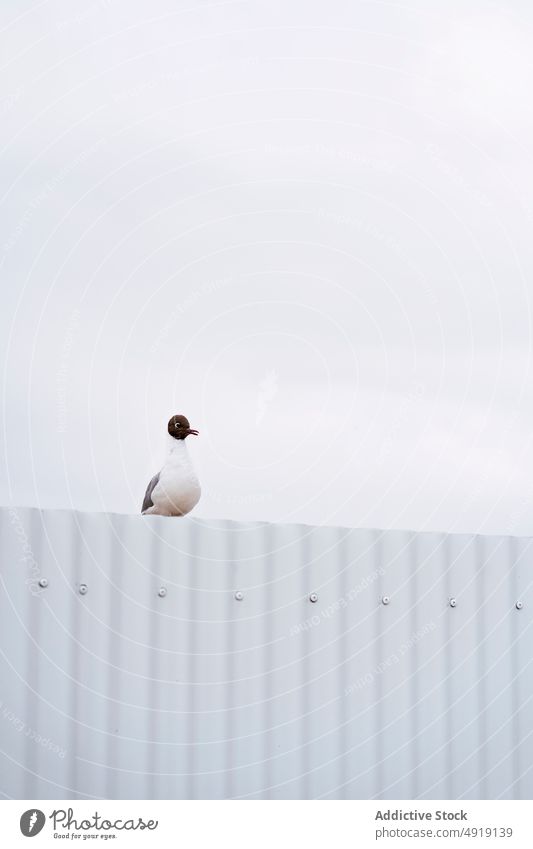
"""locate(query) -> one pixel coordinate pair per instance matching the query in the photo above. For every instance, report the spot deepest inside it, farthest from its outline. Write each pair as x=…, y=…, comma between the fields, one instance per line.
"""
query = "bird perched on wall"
x=175, y=490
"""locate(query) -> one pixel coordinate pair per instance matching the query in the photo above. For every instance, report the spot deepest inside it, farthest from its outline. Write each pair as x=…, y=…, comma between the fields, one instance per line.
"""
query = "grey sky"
x=306, y=226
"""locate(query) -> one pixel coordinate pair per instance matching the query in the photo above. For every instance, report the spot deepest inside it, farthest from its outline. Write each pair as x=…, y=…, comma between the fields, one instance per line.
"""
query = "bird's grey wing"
x=147, y=503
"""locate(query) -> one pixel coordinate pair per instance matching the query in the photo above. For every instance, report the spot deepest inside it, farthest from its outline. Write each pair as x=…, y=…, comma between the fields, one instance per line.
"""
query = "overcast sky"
x=306, y=226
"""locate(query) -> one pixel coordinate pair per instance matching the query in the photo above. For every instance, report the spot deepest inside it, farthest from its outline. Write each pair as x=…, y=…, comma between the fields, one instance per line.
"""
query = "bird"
x=175, y=490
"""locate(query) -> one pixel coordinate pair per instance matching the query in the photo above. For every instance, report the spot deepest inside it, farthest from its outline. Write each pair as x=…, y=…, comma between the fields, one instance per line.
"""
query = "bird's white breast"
x=178, y=489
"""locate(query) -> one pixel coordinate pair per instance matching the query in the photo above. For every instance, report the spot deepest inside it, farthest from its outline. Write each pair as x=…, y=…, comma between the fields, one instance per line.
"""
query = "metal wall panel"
x=162, y=681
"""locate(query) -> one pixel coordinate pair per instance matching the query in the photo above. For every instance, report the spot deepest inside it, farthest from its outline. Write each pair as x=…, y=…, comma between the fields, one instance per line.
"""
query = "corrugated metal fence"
x=164, y=658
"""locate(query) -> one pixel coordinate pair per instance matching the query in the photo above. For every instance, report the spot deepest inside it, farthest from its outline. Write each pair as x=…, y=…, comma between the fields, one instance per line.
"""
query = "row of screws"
x=452, y=602
x=239, y=595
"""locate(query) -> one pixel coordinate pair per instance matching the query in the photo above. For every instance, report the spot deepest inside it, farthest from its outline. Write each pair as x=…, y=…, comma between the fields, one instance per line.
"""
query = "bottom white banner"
x=266, y=823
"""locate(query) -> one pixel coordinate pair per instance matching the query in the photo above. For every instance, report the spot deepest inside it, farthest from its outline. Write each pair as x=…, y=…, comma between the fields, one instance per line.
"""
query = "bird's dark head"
x=179, y=427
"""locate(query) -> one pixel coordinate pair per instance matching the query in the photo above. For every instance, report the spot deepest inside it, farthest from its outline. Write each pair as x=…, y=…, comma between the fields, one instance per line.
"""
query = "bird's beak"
x=192, y=431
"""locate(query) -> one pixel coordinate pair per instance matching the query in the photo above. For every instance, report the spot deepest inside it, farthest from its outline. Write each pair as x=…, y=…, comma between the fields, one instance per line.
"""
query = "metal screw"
x=162, y=591
x=385, y=599
x=83, y=589
x=519, y=605
x=43, y=582
x=313, y=598
x=453, y=602
x=239, y=595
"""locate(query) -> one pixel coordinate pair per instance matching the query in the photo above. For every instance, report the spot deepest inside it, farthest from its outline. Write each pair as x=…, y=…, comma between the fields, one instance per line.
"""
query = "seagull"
x=175, y=490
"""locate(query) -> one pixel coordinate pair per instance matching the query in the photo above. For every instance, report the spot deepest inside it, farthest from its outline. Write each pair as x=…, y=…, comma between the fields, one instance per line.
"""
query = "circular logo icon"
x=32, y=822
